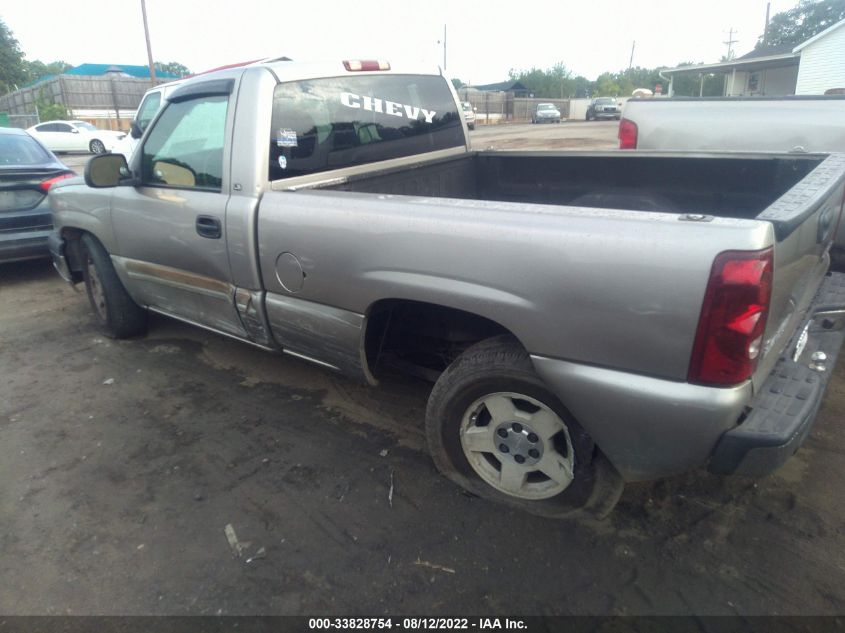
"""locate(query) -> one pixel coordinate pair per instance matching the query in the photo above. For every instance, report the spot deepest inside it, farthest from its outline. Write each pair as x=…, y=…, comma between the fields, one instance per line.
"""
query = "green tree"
x=180, y=70
x=556, y=82
x=37, y=69
x=49, y=111
x=457, y=83
x=12, y=71
x=802, y=22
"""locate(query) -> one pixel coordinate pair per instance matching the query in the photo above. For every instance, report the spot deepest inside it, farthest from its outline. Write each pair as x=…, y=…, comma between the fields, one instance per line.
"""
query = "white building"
x=811, y=68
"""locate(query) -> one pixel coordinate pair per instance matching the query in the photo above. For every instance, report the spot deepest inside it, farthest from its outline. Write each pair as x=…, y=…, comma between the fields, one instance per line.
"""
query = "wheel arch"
x=437, y=332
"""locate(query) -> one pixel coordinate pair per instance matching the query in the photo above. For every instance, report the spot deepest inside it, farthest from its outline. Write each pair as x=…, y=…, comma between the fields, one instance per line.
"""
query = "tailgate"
x=805, y=220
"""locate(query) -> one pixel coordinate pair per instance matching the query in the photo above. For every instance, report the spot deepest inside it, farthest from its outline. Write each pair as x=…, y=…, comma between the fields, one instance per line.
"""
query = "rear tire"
x=494, y=429
x=115, y=313
x=97, y=147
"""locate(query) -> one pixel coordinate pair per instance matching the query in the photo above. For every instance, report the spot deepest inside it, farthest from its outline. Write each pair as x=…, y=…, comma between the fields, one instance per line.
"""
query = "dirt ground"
x=123, y=462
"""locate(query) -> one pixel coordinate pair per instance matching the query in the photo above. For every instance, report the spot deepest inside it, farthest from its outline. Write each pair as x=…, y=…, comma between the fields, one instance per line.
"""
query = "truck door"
x=170, y=231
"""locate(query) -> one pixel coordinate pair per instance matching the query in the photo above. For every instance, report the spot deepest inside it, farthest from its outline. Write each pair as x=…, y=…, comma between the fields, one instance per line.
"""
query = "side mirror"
x=74, y=130
x=106, y=170
x=135, y=130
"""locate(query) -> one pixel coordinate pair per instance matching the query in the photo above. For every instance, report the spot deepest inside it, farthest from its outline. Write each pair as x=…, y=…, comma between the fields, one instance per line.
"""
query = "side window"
x=44, y=127
x=185, y=147
x=148, y=109
x=62, y=127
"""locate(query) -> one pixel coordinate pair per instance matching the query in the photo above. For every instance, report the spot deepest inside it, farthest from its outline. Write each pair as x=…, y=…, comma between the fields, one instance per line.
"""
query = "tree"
x=457, y=83
x=12, y=71
x=180, y=70
x=49, y=111
x=37, y=69
x=556, y=82
x=802, y=22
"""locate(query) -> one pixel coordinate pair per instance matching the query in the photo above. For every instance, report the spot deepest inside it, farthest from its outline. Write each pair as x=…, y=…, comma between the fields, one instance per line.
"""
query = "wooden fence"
x=119, y=95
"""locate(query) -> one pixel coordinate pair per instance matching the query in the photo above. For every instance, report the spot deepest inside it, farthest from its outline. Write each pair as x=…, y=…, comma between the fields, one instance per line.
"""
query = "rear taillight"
x=733, y=318
x=627, y=134
x=355, y=64
x=46, y=184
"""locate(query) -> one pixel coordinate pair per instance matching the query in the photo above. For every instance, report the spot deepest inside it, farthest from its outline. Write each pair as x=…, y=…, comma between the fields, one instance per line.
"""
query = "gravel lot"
x=123, y=462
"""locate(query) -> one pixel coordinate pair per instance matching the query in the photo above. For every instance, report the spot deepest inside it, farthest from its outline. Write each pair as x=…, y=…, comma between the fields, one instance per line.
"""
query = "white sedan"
x=75, y=136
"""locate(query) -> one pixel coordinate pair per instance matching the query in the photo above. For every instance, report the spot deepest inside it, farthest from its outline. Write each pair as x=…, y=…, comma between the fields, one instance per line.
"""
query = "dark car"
x=604, y=108
x=27, y=170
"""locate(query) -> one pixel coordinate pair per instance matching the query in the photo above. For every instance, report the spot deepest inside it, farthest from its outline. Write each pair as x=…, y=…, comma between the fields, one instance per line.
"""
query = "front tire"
x=97, y=147
x=115, y=313
x=495, y=429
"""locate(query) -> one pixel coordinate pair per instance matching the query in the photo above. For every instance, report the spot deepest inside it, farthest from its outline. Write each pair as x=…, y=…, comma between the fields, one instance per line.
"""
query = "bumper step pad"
x=783, y=411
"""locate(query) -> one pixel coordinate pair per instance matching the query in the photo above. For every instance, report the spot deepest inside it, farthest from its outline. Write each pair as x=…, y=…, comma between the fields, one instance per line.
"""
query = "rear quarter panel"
x=611, y=288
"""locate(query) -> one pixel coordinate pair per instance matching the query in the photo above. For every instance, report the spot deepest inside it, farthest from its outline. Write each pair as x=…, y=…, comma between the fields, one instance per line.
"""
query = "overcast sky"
x=485, y=38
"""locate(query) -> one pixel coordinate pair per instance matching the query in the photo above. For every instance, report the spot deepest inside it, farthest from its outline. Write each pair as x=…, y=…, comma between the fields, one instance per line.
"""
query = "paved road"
x=122, y=463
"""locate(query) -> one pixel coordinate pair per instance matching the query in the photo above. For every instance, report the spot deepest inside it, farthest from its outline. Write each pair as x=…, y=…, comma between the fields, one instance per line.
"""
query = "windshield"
x=336, y=122
x=605, y=100
x=466, y=106
x=85, y=126
x=21, y=150
x=546, y=106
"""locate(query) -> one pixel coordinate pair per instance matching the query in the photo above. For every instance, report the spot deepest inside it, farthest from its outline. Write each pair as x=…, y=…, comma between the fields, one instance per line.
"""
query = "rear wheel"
x=97, y=147
x=116, y=314
x=496, y=430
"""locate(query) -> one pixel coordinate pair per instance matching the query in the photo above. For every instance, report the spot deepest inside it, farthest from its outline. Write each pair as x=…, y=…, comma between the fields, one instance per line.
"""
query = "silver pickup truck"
x=586, y=318
x=758, y=124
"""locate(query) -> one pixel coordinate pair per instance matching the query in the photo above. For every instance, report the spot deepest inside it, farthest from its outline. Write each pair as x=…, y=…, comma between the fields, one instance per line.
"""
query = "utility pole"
x=730, y=42
x=444, y=48
x=766, y=28
x=631, y=62
x=149, y=48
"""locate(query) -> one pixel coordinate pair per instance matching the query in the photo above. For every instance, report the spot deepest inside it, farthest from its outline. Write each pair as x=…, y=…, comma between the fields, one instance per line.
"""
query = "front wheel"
x=97, y=147
x=496, y=430
x=116, y=314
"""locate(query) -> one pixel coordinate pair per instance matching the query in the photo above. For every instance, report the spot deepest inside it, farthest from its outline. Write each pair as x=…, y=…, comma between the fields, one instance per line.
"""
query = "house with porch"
x=814, y=67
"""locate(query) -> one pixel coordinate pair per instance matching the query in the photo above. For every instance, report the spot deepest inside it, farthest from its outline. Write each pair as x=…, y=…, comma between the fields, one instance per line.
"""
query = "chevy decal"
x=384, y=106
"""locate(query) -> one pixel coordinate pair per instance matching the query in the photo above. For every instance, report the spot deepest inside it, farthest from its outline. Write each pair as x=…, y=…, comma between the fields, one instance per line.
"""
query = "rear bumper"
x=23, y=245
x=784, y=410
x=24, y=233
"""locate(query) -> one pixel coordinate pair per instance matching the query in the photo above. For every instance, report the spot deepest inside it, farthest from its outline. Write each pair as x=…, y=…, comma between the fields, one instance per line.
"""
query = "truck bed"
x=734, y=187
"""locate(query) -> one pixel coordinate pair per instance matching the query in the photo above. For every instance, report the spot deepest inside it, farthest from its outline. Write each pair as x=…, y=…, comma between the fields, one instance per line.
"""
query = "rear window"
x=323, y=124
x=605, y=100
x=21, y=150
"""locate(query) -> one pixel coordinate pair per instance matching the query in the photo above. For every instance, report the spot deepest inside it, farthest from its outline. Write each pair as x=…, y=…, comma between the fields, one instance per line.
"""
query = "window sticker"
x=283, y=162
x=286, y=138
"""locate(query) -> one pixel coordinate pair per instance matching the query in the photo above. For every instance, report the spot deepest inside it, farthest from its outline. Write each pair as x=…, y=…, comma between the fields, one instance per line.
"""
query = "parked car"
x=586, y=319
x=546, y=113
x=604, y=108
x=469, y=114
x=75, y=136
x=27, y=170
x=152, y=102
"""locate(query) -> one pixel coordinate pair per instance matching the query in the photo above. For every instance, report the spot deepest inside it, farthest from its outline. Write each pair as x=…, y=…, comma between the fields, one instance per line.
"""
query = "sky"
x=484, y=38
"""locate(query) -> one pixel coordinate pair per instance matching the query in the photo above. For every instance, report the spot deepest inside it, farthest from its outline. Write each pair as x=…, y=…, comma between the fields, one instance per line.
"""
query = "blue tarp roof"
x=98, y=70
x=142, y=72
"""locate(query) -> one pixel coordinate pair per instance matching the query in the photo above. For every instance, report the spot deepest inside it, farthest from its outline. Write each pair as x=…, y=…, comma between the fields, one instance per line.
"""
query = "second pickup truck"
x=586, y=318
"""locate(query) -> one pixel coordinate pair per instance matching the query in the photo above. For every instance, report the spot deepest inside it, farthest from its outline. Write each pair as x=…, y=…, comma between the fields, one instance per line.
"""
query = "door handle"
x=209, y=226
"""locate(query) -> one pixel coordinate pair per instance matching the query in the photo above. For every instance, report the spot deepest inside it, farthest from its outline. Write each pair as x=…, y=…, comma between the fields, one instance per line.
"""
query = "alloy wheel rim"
x=518, y=445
